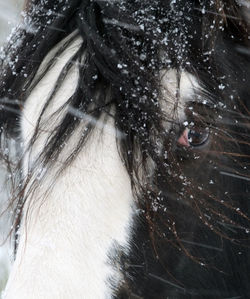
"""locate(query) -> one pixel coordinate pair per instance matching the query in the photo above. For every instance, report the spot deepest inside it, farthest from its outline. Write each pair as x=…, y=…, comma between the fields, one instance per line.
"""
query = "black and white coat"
x=84, y=233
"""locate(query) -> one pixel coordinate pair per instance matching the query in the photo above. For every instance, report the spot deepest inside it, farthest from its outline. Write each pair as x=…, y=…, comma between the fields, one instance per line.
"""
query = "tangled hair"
x=193, y=200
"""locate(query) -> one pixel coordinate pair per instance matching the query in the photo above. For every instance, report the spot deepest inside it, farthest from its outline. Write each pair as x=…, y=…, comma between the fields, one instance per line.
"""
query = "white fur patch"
x=66, y=239
x=172, y=104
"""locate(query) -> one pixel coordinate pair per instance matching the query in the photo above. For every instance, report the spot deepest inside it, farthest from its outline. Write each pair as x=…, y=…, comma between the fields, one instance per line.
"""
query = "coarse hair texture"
x=193, y=194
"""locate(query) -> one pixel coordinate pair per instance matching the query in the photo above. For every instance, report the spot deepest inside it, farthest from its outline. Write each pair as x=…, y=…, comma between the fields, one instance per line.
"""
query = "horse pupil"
x=198, y=136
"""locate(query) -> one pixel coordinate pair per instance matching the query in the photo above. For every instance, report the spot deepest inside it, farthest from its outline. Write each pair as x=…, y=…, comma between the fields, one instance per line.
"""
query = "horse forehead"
x=177, y=88
x=173, y=81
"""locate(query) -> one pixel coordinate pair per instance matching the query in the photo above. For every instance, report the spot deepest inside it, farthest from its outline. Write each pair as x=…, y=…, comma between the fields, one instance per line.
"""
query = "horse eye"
x=194, y=137
x=198, y=136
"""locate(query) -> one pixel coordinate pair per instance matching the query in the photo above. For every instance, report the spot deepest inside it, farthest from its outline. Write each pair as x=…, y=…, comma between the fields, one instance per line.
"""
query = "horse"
x=131, y=120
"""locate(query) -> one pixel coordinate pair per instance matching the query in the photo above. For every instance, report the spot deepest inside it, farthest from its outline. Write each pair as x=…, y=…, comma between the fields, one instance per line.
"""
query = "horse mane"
x=192, y=196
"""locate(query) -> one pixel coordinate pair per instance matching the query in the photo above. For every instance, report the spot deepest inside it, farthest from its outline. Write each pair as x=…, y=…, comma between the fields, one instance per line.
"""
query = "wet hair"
x=195, y=203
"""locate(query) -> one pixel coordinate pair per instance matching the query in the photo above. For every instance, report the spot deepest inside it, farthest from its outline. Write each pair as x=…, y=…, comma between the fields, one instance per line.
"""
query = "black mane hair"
x=194, y=207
